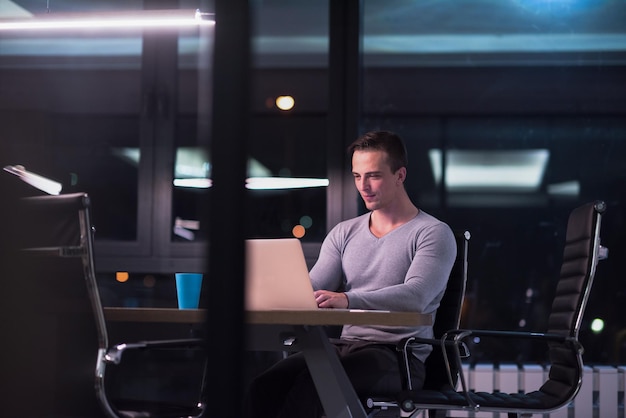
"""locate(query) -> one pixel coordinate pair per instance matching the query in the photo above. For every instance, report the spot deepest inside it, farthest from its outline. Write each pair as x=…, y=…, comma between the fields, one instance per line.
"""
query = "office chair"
x=581, y=254
x=448, y=317
x=58, y=353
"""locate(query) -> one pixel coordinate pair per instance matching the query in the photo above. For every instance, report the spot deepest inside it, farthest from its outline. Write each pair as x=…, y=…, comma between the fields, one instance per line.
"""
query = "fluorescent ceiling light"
x=195, y=183
x=193, y=163
x=129, y=154
x=274, y=183
x=112, y=20
x=193, y=170
x=259, y=183
x=42, y=183
x=509, y=171
x=566, y=188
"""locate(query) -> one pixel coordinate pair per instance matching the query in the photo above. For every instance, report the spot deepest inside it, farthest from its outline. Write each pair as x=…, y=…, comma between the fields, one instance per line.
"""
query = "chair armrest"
x=130, y=402
x=114, y=354
x=440, y=342
x=457, y=337
x=454, y=340
x=404, y=349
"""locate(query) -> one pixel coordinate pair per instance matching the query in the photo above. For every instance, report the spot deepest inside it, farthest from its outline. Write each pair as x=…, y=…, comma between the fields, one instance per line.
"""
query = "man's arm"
x=327, y=273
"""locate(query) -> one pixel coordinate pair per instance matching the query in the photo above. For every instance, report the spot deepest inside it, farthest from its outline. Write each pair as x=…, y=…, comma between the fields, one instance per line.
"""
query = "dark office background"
x=485, y=84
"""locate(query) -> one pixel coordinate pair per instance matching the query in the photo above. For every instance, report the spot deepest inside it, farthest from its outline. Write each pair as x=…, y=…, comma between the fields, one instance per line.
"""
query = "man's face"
x=374, y=180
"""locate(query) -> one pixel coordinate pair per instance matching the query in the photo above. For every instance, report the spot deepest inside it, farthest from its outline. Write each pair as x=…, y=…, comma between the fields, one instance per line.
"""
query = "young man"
x=394, y=257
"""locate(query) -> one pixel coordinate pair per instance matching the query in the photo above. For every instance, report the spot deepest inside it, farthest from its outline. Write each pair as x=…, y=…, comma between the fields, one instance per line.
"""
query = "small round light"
x=306, y=221
x=285, y=102
x=122, y=276
x=298, y=231
x=597, y=325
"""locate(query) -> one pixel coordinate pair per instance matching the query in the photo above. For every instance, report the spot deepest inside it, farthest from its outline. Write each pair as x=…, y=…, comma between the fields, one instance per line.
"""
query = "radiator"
x=601, y=394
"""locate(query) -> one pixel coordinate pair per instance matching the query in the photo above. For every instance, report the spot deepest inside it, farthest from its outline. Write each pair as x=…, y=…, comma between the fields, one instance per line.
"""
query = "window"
x=511, y=115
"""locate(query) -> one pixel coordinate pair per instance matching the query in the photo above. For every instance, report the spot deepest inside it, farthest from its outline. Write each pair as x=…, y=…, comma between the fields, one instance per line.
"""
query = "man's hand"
x=327, y=299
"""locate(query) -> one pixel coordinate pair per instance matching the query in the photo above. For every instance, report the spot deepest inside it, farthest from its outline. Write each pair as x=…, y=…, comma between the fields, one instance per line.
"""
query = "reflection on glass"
x=489, y=170
x=192, y=171
x=133, y=290
x=70, y=101
x=512, y=118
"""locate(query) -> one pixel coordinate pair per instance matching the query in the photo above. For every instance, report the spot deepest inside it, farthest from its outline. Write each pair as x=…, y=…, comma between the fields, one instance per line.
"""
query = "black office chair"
x=55, y=342
x=448, y=317
x=580, y=257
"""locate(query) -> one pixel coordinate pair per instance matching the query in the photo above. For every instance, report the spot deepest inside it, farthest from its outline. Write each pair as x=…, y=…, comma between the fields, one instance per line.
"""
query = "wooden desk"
x=276, y=317
x=170, y=315
x=295, y=331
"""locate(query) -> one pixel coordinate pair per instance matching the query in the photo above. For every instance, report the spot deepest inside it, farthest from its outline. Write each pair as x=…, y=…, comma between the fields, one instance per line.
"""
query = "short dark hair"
x=386, y=141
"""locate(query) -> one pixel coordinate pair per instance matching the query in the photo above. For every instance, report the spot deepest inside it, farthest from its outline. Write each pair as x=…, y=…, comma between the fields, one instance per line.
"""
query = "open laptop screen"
x=277, y=276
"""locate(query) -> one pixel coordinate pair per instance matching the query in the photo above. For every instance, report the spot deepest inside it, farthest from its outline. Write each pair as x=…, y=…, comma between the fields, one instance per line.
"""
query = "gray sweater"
x=405, y=270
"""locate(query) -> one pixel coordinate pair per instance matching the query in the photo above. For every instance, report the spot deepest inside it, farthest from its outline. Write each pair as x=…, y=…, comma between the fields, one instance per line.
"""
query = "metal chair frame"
x=53, y=234
x=582, y=253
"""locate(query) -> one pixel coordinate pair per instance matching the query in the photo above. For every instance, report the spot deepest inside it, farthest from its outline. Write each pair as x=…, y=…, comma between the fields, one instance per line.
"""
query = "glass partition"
x=288, y=173
x=512, y=118
x=71, y=107
x=97, y=99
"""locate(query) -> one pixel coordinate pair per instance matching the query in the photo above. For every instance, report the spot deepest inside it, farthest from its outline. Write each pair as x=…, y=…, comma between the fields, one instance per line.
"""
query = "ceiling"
x=405, y=30
x=400, y=17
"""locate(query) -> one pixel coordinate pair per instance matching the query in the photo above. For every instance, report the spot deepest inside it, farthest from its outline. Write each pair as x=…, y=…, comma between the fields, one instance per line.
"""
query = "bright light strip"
x=273, y=183
x=42, y=183
x=258, y=183
x=468, y=170
x=566, y=188
x=195, y=183
x=141, y=19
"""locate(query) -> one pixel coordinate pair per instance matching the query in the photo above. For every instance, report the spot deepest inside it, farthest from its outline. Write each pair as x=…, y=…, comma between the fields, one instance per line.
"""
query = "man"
x=394, y=257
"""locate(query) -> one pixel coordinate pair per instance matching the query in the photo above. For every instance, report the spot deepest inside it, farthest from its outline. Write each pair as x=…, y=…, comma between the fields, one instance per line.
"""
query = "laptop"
x=277, y=276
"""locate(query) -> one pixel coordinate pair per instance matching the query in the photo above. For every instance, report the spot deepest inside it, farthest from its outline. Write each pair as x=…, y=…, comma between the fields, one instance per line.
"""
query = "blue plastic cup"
x=188, y=287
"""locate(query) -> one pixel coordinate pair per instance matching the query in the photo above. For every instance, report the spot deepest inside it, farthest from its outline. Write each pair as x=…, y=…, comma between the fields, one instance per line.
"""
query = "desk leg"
x=333, y=387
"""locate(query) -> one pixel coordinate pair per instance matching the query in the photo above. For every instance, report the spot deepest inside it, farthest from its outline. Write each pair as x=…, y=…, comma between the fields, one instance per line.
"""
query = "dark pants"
x=286, y=390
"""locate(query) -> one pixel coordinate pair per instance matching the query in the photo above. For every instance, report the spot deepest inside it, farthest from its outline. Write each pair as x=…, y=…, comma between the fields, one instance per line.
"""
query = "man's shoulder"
x=429, y=225
x=358, y=220
x=427, y=219
x=349, y=227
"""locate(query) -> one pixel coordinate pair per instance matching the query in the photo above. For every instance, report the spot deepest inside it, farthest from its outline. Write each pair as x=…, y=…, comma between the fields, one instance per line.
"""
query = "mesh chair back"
x=448, y=314
x=52, y=296
x=580, y=258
